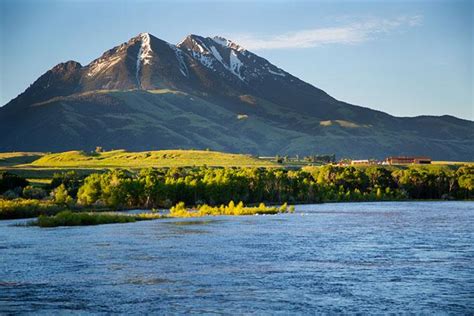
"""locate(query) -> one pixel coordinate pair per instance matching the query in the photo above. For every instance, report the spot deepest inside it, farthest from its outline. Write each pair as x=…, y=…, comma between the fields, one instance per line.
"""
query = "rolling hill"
x=138, y=160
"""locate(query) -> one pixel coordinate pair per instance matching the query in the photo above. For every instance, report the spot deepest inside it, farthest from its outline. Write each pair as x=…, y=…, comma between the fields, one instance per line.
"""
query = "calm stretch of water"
x=334, y=258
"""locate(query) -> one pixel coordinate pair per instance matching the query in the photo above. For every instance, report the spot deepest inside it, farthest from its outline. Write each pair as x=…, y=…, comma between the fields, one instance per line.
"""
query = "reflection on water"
x=333, y=258
x=193, y=222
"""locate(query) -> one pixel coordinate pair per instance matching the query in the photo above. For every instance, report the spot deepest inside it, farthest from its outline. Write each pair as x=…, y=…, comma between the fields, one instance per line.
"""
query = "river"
x=373, y=258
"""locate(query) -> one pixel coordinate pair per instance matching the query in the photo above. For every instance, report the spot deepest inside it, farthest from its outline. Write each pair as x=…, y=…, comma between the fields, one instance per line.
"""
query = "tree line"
x=164, y=187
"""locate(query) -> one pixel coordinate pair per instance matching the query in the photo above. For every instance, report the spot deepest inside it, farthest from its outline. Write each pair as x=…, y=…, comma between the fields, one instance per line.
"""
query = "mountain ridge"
x=209, y=93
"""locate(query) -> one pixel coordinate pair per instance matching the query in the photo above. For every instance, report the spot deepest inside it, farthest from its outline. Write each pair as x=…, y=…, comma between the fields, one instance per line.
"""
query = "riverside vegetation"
x=68, y=218
x=164, y=187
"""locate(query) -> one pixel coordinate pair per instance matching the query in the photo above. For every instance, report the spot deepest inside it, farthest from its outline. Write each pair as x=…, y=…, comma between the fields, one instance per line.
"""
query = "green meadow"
x=39, y=168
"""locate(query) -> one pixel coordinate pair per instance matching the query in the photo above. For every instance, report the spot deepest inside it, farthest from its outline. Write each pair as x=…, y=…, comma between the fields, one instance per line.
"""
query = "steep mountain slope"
x=209, y=93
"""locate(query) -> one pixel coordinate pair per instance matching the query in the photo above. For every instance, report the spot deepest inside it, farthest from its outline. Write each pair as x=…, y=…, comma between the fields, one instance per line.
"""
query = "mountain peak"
x=194, y=42
x=145, y=52
x=198, y=42
x=228, y=43
x=142, y=36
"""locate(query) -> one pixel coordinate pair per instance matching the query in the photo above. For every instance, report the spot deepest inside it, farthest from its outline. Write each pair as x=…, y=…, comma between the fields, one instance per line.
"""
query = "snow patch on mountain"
x=220, y=40
x=137, y=71
x=235, y=65
x=179, y=56
x=200, y=45
x=234, y=62
x=216, y=54
x=205, y=60
x=276, y=73
x=228, y=43
x=145, y=54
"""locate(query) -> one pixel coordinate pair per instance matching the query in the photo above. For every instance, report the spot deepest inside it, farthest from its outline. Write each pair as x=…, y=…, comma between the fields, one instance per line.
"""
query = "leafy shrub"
x=21, y=208
x=71, y=180
x=10, y=181
x=30, y=192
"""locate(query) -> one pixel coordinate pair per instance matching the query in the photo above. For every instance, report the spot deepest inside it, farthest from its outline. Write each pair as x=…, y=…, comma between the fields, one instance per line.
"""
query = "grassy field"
x=161, y=158
x=18, y=158
x=39, y=167
x=452, y=163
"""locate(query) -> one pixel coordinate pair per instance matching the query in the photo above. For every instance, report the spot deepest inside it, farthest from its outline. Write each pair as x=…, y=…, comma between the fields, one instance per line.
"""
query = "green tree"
x=61, y=196
x=90, y=192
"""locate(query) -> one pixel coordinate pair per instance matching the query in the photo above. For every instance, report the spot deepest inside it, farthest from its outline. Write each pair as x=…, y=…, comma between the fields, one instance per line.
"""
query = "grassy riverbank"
x=26, y=208
x=69, y=218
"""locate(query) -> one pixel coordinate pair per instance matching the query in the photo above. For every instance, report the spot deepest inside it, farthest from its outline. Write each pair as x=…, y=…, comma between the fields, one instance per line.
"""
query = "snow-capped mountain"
x=208, y=92
x=229, y=59
x=146, y=62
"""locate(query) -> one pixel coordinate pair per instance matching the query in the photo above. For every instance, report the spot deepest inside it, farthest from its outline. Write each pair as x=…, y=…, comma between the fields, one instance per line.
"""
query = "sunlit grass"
x=161, y=158
x=165, y=91
x=17, y=158
x=39, y=182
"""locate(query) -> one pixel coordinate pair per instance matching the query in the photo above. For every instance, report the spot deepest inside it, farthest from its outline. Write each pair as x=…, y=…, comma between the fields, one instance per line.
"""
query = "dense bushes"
x=11, y=182
x=21, y=208
x=71, y=180
x=30, y=192
x=68, y=218
x=152, y=188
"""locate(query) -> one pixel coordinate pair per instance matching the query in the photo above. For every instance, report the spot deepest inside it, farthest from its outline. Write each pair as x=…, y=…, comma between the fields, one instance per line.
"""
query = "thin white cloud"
x=348, y=34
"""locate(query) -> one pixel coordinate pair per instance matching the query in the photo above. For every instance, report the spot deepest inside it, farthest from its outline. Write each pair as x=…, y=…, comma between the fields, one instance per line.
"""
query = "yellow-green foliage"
x=161, y=158
x=23, y=208
x=148, y=216
x=61, y=196
x=180, y=210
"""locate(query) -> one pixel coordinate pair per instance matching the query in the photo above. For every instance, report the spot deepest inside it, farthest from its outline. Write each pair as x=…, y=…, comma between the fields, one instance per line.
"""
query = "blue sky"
x=406, y=58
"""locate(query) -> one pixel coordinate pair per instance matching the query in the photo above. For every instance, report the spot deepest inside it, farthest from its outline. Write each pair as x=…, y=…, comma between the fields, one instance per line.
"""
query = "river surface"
x=415, y=257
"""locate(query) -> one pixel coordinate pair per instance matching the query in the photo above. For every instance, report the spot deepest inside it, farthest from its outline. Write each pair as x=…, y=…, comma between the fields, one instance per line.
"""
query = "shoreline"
x=125, y=210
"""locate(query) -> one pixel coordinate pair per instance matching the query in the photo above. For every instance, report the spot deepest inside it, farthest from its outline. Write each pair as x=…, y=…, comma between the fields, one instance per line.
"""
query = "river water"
x=377, y=258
